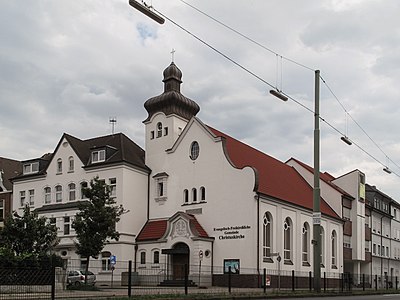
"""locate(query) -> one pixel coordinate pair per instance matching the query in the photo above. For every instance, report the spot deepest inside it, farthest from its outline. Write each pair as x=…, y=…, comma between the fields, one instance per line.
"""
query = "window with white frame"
x=58, y=190
x=185, y=196
x=161, y=186
x=267, y=237
x=159, y=129
x=322, y=246
x=29, y=168
x=113, y=187
x=202, y=193
x=84, y=186
x=306, y=244
x=346, y=241
x=374, y=249
x=194, y=195
x=31, y=195
x=156, y=257
x=71, y=191
x=22, y=197
x=47, y=195
x=67, y=225
x=59, y=166
x=287, y=241
x=71, y=164
x=143, y=258
x=105, y=261
x=98, y=156
x=2, y=203
x=334, y=249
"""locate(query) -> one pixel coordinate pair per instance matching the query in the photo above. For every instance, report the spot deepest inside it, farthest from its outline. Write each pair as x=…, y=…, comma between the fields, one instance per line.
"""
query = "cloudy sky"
x=68, y=66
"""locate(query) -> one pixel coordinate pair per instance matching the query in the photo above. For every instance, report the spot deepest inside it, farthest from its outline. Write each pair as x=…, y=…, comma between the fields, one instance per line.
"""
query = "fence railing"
x=126, y=279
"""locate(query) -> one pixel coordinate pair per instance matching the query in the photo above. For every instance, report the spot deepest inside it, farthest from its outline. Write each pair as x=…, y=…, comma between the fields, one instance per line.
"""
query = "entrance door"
x=180, y=259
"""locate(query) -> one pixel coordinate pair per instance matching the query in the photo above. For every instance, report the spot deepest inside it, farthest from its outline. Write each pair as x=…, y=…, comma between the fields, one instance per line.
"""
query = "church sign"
x=232, y=232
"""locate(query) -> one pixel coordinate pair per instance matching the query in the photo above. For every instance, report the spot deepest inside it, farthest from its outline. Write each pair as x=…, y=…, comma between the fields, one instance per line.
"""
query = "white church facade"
x=195, y=196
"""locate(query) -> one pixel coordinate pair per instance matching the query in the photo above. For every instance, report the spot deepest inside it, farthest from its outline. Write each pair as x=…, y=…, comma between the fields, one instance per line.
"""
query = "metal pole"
x=130, y=279
x=316, y=193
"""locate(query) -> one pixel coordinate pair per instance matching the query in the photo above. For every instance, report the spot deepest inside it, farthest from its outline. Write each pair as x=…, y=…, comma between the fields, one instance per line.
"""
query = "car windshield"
x=88, y=273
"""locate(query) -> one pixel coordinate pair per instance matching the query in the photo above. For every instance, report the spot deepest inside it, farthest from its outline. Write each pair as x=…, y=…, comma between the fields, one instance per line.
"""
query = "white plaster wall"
x=229, y=193
x=329, y=194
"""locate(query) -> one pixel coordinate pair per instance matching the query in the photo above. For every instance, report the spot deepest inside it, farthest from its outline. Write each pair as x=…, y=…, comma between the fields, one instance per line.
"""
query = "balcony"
x=347, y=253
x=347, y=227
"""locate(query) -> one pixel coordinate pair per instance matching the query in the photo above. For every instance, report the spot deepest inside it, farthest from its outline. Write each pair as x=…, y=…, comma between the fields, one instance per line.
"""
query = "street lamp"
x=145, y=9
x=316, y=189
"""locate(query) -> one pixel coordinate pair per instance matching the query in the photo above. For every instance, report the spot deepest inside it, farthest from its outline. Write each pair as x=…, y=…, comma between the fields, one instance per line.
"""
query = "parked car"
x=77, y=277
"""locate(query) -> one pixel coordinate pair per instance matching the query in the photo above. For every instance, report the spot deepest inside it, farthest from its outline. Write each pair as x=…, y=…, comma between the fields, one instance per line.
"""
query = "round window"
x=194, y=150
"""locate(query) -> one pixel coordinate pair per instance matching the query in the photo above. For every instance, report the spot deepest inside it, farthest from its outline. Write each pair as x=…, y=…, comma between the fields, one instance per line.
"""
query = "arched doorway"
x=179, y=259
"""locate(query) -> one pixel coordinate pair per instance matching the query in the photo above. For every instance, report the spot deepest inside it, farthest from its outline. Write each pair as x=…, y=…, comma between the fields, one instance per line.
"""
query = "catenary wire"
x=267, y=83
x=290, y=60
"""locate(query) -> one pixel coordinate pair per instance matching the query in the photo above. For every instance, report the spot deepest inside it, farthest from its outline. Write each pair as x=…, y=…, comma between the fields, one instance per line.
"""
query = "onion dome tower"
x=171, y=101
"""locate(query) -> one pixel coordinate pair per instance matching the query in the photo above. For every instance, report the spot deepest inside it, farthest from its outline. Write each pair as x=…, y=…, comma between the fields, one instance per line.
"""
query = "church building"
x=196, y=196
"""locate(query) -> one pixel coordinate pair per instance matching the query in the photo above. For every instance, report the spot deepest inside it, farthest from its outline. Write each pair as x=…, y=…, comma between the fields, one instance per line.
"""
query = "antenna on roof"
x=113, y=121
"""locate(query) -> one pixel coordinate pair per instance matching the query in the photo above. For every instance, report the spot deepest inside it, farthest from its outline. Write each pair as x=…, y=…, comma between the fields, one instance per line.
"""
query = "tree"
x=95, y=222
x=28, y=235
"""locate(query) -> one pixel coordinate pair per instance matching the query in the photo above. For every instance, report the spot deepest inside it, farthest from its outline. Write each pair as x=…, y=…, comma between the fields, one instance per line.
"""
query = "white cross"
x=172, y=54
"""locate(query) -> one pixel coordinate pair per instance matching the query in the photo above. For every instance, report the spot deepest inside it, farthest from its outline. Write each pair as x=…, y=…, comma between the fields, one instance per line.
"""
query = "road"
x=355, y=297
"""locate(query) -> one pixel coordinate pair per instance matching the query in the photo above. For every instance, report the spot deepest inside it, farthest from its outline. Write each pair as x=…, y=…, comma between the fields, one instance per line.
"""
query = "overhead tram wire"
x=246, y=37
x=265, y=82
x=292, y=61
x=355, y=121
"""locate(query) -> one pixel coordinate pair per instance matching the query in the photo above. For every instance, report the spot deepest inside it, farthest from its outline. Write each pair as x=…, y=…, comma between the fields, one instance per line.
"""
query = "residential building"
x=8, y=169
x=52, y=185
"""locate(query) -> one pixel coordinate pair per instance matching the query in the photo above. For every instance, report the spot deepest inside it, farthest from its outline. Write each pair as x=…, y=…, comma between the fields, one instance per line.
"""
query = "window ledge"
x=160, y=199
x=334, y=267
x=306, y=264
x=194, y=203
x=288, y=262
x=268, y=260
x=155, y=267
x=59, y=173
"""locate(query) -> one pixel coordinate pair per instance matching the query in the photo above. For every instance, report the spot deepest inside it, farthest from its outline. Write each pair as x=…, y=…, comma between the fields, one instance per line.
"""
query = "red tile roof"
x=326, y=177
x=275, y=178
x=155, y=229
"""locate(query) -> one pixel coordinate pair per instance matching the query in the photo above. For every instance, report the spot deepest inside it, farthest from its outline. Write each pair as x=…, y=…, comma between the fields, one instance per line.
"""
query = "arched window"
x=306, y=244
x=194, y=195
x=71, y=164
x=47, y=194
x=71, y=191
x=322, y=247
x=143, y=258
x=59, y=165
x=84, y=185
x=202, y=193
x=185, y=196
x=156, y=257
x=159, y=129
x=334, y=249
x=287, y=241
x=58, y=189
x=267, y=237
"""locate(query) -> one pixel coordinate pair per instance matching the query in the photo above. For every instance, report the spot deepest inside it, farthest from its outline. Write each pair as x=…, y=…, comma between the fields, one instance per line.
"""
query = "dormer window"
x=30, y=168
x=98, y=156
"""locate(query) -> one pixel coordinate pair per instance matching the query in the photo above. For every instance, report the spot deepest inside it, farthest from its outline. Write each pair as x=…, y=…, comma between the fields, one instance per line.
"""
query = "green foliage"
x=27, y=235
x=94, y=224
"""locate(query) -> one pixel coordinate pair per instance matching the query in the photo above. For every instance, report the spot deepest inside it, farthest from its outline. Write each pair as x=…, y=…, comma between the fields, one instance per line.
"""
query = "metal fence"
x=125, y=279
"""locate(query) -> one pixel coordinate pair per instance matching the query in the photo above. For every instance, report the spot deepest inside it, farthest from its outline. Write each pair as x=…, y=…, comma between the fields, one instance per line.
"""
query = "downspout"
x=258, y=233
x=148, y=196
x=381, y=249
